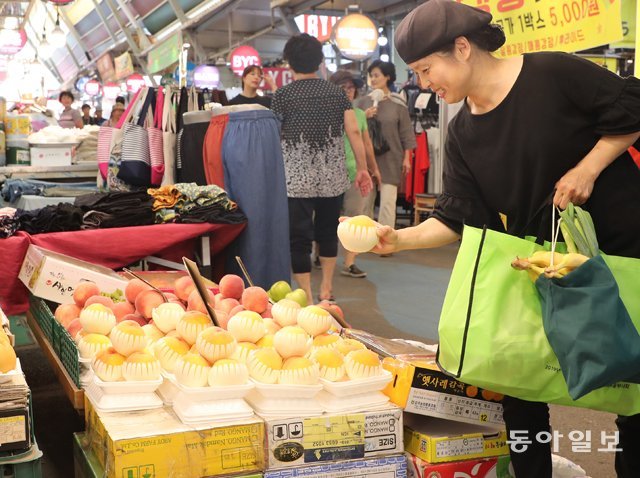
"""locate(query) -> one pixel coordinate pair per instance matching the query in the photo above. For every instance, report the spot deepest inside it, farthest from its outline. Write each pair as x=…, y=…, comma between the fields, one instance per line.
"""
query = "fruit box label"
x=480, y=468
x=293, y=442
x=394, y=466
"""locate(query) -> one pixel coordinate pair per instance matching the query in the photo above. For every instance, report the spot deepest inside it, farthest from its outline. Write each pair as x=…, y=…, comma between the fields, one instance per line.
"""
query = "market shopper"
x=252, y=77
x=98, y=120
x=531, y=127
x=354, y=204
x=314, y=115
x=397, y=130
x=86, y=115
x=116, y=112
x=69, y=118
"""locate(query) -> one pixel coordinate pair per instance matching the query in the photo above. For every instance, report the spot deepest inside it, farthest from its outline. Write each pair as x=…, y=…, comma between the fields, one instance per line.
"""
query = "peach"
x=218, y=298
x=133, y=318
x=99, y=299
x=171, y=297
x=121, y=309
x=67, y=313
x=83, y=291
x=194, y=302
x=255, y=299
x=133, y=289
x=267, y=313
x=271, y=326
x=74, y=327
x=148, y=300
x=223, y=318
x=183, y=287
x=333, y=309
x=231, y=286
x=227, y=305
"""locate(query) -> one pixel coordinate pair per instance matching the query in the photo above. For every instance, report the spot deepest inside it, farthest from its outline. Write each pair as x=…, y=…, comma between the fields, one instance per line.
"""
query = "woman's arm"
x=428, y=234
x=406, y=161
x=577, y=184
x=372, y=164
x=363, y=180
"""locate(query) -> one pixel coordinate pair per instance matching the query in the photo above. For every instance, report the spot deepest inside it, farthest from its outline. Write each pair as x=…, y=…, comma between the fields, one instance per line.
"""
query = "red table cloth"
x=113, y=248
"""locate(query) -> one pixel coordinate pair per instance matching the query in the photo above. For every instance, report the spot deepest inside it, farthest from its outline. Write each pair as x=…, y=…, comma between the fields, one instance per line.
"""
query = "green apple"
x=299, y=296
x=279, y=290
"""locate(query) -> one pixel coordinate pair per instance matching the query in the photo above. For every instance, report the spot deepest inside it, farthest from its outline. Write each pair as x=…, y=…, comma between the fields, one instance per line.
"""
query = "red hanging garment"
x=212, y=150
x=416, y=178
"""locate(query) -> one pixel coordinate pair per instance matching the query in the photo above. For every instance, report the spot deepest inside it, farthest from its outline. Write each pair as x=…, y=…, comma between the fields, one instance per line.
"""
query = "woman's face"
x=66, y=101
x=377, y=80
x=115, y=115
x=253, y=79
x=444, y=74
x=350, y=89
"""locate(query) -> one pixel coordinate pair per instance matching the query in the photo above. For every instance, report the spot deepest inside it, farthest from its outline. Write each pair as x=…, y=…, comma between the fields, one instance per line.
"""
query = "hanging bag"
x=156, y=153
x=380, y=145
x=104, y=149
x=169, y=137
x=491, y=327
x=117, y=136
x=135, y=166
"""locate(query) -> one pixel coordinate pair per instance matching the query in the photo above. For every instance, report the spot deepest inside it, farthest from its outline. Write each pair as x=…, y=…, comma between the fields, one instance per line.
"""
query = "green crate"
x=67, y=351
x=42, y=314
x=29, y=469
x=62, y=343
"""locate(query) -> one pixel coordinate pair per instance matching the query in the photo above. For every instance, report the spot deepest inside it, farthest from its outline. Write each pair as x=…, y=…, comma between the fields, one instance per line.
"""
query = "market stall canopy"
x=213, y=27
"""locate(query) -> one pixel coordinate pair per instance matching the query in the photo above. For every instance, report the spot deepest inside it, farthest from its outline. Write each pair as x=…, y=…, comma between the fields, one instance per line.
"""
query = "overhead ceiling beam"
x=103, y=18
x=66, y=45
x=177, y=9
x=132, y=44
x=396, y=9
x=74, y=32
x=216, y=15
x=144, y=40
x=292, y=12
x=289, y=22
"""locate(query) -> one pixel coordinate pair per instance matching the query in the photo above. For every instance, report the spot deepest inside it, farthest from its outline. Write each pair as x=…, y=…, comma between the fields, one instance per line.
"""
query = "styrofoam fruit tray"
x=205, y=394
x=86, y=376
x=124, y=387
x=358, y=386
x=216, y=410
x=122, y=402
x=168, y=390
x=283, y=407
x=6, y=377
x=270, y=390
x=355, y=403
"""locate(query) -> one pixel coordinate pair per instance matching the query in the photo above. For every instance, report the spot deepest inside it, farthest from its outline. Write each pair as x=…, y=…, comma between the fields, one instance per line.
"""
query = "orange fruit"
x=488, y=395
x=471, y=391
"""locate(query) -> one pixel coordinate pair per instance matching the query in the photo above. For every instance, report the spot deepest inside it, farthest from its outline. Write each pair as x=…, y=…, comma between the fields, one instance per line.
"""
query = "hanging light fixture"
x=57, y=36
x=45, y=47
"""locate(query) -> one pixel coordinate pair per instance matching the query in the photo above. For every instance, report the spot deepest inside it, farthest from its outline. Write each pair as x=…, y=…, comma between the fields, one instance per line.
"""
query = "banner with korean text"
x=560, y=25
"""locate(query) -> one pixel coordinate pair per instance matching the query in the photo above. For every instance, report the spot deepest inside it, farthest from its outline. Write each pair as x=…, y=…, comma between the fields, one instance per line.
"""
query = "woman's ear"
x=462, y=48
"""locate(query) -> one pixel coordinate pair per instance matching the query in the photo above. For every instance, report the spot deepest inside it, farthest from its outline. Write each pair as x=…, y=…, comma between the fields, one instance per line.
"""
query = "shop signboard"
x=92, y=88
x=135, y=82
x=319, y=26
x=628, y=25
x=242, y=57
x=111, y=90
x=281, y=77
x=356, y=36
x=12, y=41
x=123, y=65
x=106, y=68
x=206, y=76
x=81, y=82
x=165, y=54
x=560, y=25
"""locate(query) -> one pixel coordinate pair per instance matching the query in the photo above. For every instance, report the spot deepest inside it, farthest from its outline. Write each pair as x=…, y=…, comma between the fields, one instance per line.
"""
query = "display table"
x=113, y=248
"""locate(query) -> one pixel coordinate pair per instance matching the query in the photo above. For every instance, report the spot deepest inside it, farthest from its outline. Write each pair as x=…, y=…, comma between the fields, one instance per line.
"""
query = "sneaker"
x=316, y=262
x=353, y=271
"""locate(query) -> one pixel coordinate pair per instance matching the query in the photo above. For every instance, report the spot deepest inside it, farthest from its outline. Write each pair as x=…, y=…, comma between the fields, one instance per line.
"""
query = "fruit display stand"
x=59, y=349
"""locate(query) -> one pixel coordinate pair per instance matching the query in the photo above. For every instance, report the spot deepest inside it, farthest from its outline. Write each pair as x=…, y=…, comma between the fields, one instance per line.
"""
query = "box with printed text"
x=54, y=276
x=331, y=437
x=156, y=444
x=394, y=466
x=498, y=467
x=436, y=440
x=420, y=387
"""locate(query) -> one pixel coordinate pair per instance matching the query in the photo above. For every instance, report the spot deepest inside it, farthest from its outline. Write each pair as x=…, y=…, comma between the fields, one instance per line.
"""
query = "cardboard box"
x=420, y=387
x=52, y=154
x=436, y=440
x=386, y=467
x=499, y=467
x=331, y=437
x=156, y=444
x=53, y=276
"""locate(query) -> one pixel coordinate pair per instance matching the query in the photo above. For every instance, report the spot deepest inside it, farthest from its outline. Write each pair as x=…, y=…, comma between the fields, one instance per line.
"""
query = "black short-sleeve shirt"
x=509, y=159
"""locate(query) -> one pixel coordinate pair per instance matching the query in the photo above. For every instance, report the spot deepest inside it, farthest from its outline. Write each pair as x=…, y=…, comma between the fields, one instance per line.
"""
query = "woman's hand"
x=387, y=238
x=376, y=176
x=371, y=112
x=406, y=166
x=575, y=186
x=363, y=182
x=268, y=79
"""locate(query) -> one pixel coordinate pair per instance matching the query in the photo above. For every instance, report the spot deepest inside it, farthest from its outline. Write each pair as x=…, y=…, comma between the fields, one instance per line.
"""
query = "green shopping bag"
x=589, y=328
x=491, y=331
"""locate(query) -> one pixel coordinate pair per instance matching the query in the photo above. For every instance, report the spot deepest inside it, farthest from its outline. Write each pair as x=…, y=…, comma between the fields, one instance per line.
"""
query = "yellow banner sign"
x=560, y=25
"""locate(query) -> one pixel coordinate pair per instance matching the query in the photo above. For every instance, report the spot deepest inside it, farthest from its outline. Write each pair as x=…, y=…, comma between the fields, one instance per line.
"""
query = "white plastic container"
x=168, y=390
x=269, y=390
x=121, y=402
x=283, y=407
x=354, y=403
x=127, y=388
x=53, y=154
x=359, y=386
x=194, y=412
